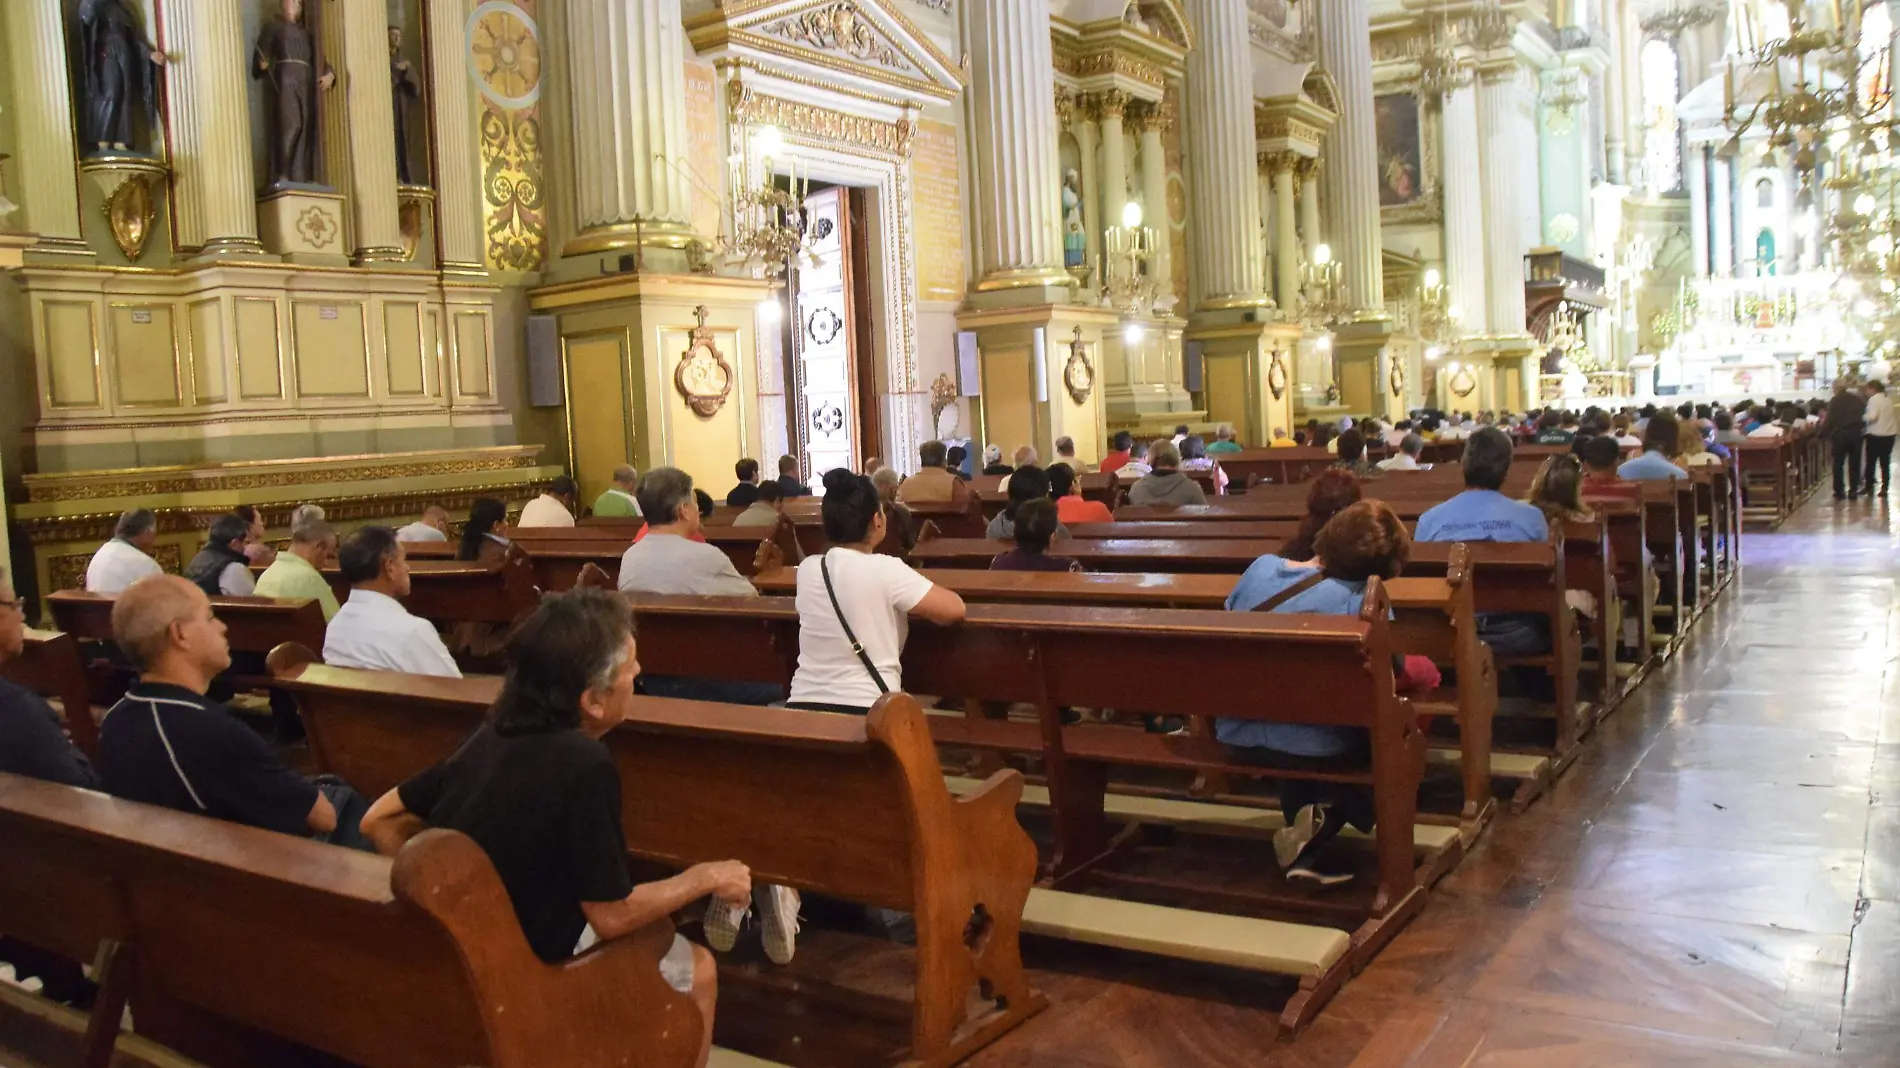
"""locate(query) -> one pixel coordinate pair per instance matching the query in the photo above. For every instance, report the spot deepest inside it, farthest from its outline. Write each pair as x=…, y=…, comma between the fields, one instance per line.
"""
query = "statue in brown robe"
x=288, y=57
x=403, y=89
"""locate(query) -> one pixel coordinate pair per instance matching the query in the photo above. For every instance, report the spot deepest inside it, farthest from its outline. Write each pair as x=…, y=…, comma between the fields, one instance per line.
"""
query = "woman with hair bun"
x=855, y=604
x=1035, y=528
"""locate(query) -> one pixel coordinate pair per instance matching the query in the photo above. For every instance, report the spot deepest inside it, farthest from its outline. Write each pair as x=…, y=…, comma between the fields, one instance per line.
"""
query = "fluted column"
x=1286, y=235
x=1722, y=206
x=1696, y=176
x=1220, y=113
x=1113, y=105
x=458, y=165
x=1464, y=204
x=1352, y=171
x=43, y=160
x=1312, y=234
x=1084, y=125
x=206, y=83
x=368, y=103
x=1150, y=124
x=1504, y=143
x=1012, y=85
x=627, y=81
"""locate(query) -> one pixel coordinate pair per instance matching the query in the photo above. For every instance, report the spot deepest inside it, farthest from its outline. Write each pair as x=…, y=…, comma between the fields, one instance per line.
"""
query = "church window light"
x=1662, y=142
x=1765, y=193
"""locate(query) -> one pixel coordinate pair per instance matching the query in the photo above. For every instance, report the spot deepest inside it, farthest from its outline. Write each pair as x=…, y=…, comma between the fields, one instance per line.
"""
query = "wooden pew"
x=1216, y=555
x=245, y=945
x=851, y=807
x=50, y=665
x=1263, y=530
x=1285, y=668
x=556, y=555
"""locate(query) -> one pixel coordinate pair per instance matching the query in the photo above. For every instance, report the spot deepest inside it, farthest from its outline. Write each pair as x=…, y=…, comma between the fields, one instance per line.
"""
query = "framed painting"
x=1401, y=149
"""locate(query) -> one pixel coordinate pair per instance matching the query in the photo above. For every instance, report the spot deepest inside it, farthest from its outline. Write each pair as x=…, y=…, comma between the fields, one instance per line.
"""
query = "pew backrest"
x=50, y=665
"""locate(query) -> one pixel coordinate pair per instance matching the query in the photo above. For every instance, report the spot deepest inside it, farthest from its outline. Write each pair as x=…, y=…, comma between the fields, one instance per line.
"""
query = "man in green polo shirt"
x=293, y=576
x=617, y=500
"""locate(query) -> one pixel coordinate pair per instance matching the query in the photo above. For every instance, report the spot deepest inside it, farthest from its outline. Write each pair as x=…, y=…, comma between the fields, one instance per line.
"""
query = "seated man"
x=294, y=576
x=373, y=630
x=1224, y=442
x=553, y=508
x=166, y=744
x=897, y=518
x=1601, y=456
x=1065, y=453
x=1281, y=441
x=667, y=560
x=788, y=482
x=1164, y=484
x=616, y=501
x=1481, y=513
x=1120, y=451
x=127, y=558
x=536, y=789
x=221, y=568
x=1411, y=447
x=1071, y=506
x=768, y=504
x=933, y=483
x=747, y=491
x=1136, y=466
x=432, y=527
x=32, y=742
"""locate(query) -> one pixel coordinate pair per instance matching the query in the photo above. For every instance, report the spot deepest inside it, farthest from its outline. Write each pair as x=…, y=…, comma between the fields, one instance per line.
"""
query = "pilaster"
x=1464, y=203
x=1029, y=402
x=452, y=96
x=1364, y=355
x=1150, y=122
x=206, y=83
x=1352, y=179
x=366, y=100
x=1286, y=236
x=1015, y=151
x=1112, y=105
x=1501, y=129
x=1247, y=376
x=1227, y=260
x=46, y=180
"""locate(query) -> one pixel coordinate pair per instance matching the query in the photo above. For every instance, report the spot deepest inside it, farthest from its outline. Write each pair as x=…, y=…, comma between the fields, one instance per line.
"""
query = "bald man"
x=166, y=744
x=617, y=501
x=433, y=526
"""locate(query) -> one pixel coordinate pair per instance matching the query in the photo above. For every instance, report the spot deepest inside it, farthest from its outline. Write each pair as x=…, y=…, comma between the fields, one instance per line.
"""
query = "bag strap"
x=824, y=568
x=1318, y=576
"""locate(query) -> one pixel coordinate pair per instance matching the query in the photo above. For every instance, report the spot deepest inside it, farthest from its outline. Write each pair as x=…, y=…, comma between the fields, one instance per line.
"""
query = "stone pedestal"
x=1247, y=375
x=1141, y=378
x=1366, y=370
x=303, y=226
x=1024, y=404
x=1505, y=372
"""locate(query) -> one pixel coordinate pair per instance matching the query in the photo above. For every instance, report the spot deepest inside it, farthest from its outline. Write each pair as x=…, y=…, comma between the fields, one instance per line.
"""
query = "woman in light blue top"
x=1659, y=447
x=1364, y=540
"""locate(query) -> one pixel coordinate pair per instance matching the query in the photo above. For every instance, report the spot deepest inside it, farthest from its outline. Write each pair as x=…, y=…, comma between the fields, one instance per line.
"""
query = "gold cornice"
x=247, y=475
x=731, y=26
x=891, y=140
x=761, y=43
x=751, y=63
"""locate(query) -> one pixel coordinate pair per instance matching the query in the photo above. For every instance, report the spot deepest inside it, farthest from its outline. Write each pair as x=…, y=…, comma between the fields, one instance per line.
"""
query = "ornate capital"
x=1146, y=115
x=1065, y=106
x=1670, y=19
x=1279, y=163
x=1112, y=103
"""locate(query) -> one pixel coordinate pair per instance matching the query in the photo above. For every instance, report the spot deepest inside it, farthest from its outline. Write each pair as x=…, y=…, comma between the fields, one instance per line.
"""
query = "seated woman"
x=1028, y=483
x=1557, y=491
x=1657, y=462
x=1331, y=492
x=1366, y=539
x=1035, y=526
x=1691, y=450
x=854, y=606
x=484, y=541
x=1194, y=458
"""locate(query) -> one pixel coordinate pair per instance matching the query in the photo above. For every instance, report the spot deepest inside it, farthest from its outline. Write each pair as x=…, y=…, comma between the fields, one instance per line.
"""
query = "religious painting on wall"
x=504, y=56
x=1401, y=149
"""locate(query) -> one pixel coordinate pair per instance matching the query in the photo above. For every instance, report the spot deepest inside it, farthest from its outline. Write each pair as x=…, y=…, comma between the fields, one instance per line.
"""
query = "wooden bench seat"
x=554, y=556
x=770, y=787
x=1210, y=555
x=244, y=945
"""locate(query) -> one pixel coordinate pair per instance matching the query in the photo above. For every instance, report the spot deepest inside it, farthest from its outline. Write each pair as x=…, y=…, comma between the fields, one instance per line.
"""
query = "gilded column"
x=43, y=163
x=1113, y=105
x=1016, y=160
x=458, y=165
x=1150, y=123
x=367, y=101
x=1286, y=237
x=1082, y=123
x=1504, y=142
x=1220, y=111
x=627, y=79
x=1464, y=202
x=209, y=95
x=1352, y=174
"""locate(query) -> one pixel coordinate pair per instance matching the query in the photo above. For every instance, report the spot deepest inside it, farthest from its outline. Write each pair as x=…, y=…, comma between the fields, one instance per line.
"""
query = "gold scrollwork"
x=1395, y=379
x=943, y=393
x=130, y=212
x=703, y=376
x=1276, y=373
x=838, y=27
x=1463, y=383
x=1079, y=374
x=875, y=135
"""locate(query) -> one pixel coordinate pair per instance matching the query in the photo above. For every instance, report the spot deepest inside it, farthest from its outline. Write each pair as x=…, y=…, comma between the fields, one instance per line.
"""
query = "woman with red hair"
x=1330, y=493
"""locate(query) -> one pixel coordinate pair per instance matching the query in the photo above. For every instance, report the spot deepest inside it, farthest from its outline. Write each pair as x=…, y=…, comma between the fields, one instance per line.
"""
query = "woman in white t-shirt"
x=876, y=594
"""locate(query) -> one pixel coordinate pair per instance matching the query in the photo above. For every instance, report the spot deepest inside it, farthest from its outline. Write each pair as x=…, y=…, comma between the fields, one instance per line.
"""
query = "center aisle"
x=1716, y=882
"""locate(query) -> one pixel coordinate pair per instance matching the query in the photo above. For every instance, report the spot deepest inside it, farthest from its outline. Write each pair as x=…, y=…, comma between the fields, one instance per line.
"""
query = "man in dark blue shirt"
x=32, y=743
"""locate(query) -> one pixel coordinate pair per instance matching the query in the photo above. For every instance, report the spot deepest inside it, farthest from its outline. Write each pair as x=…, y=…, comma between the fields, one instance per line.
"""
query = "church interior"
x=401, y=260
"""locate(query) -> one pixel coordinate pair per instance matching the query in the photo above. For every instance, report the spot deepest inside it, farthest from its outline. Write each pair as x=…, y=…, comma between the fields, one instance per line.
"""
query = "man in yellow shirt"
x=1280, y=440
x=293, y=576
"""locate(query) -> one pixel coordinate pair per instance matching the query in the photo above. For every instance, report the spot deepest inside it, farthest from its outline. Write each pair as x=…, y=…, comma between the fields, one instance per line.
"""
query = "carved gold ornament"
x=838, y=27
x=317, y=227
x=1463, y=382
x=130, y=213
x=409, y=213
x=1276, y=374
x=504, y=53
x=943, y=393
x=1396, y=378
x=703, y=377
x=1079, y=375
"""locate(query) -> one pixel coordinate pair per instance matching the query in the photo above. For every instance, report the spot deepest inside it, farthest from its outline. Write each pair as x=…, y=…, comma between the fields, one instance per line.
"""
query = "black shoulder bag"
x=824, y=568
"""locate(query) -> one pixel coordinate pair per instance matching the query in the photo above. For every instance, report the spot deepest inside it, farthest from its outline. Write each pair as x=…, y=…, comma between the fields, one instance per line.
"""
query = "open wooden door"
x=825, y=340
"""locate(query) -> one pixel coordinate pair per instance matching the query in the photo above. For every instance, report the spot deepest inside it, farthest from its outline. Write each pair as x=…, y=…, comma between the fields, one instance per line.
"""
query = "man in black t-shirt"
x=539, y=792
x=32, y=743
x=166, y=744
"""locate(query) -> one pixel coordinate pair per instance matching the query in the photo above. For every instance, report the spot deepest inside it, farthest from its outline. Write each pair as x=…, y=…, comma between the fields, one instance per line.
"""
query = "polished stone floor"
x=1715, y=882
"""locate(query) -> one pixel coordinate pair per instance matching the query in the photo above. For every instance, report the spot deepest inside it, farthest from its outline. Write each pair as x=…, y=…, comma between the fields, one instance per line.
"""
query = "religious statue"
x=287, y=55
x=403, y=89
x=119, y=74
x=1074, y=233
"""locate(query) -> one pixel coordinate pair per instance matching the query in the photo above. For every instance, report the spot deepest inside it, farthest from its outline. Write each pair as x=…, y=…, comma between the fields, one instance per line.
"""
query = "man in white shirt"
x=555, y=508
x=1882, y=425
x=1410, y=447
x=127, y=558
x=433, y=526
x=373, y=630
x=667, y=559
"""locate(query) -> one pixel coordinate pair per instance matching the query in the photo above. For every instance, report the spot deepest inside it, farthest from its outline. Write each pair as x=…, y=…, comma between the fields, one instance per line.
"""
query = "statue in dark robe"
x=288, y=57
x=119, y=76
x=403, y=90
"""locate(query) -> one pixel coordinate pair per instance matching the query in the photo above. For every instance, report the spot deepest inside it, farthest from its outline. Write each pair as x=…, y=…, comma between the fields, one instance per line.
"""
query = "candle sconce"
x=1127, y=284
x=769, y=228
x=1322, y=295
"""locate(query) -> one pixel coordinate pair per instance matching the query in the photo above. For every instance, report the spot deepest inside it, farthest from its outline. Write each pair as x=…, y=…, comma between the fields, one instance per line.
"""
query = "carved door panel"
x=825, y=340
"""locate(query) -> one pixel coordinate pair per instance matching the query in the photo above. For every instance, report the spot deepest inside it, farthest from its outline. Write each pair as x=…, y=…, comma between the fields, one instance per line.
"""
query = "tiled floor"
x=1715, y=883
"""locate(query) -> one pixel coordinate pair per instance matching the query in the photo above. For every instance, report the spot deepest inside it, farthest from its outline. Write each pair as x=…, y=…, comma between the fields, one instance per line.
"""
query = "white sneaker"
x=722, y=924
x=778, y=922
x=1288, y=841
